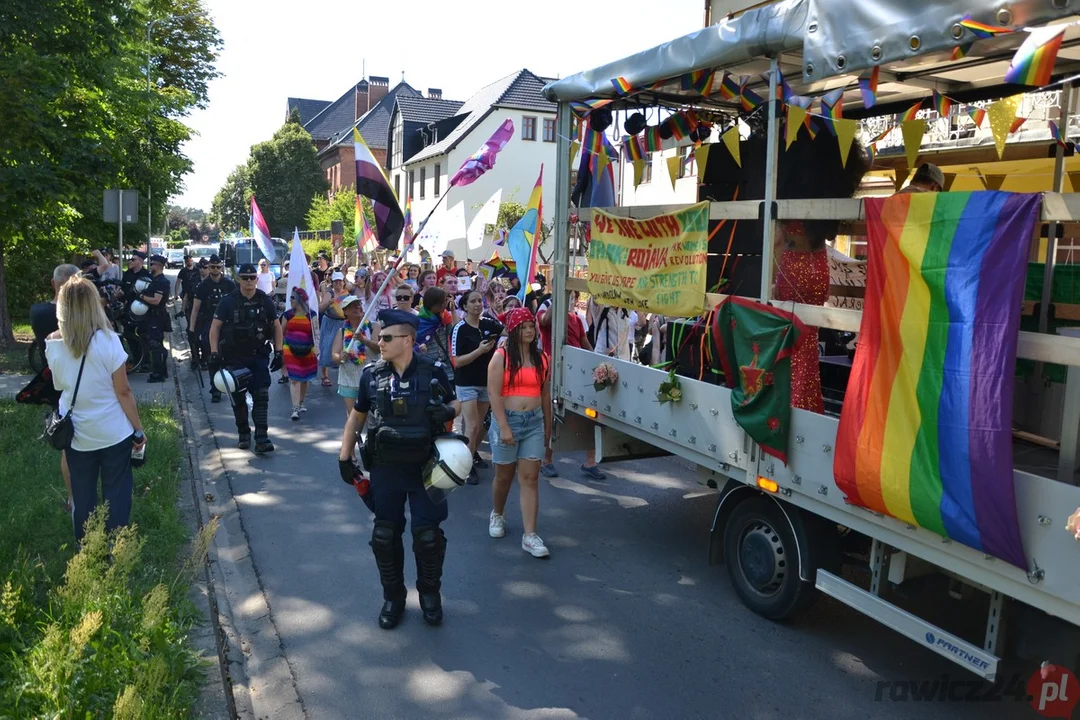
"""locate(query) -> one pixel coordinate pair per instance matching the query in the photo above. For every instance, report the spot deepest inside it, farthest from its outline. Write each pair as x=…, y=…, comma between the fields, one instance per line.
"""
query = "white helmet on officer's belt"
x=450, y=464
x=231, y=380
x=139, y=308
x=142, y=285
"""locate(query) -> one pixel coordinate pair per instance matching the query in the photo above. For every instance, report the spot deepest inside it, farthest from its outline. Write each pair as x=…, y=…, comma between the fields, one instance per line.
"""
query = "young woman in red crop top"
x=520, y=393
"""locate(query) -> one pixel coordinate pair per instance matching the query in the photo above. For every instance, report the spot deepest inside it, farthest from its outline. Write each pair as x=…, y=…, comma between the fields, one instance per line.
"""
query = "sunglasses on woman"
x=403, y=297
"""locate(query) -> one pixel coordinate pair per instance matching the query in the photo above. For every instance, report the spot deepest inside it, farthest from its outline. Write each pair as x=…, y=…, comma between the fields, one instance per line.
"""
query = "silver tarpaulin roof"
x=828, y=38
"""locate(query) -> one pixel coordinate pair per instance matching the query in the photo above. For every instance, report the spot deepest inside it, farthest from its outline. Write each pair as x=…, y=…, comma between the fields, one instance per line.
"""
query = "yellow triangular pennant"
x=845, y=134
x=574, y=147
x=602, y=161
x=795, y=117
x=994, y=182
x=673, y=169
x=701, y=157
x=901, y=176
x=639, y=171
x=1074, y=179
x=1002, y=113
x=731, y=141
x=913, y=131
x=950, y=178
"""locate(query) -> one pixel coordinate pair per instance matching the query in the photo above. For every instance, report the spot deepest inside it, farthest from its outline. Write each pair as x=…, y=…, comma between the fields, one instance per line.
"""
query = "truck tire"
x=763, y=562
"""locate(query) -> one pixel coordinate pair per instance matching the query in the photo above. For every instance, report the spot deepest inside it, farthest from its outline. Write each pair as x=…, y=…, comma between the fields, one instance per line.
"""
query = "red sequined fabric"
x=803, y=277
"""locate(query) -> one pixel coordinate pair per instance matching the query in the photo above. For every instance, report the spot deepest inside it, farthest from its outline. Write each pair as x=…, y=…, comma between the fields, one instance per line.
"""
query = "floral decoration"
x=670, y=390
x=604, y=375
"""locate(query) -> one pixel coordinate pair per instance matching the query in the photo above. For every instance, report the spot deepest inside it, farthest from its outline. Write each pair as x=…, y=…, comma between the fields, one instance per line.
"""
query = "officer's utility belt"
x=389, y=445
x=242, y=352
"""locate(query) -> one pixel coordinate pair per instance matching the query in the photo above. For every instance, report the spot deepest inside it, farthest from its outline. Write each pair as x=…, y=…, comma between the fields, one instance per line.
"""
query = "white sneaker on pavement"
x=295, y=413
x=533, y=545
x=496, y=525
x=303, y=408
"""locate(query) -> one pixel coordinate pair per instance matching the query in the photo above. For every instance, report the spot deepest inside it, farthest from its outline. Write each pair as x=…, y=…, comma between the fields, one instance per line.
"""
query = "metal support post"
x=120, y=227
x=877, y=564
x=995, y=619
x=771, y=164
x=1051, y=240
x=560, y=300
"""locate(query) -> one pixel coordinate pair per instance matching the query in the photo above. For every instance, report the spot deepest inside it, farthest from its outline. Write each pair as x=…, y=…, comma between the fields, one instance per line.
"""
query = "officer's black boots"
x=260, y=411
x=245, y=441
x=389, y=554
x=429, y=546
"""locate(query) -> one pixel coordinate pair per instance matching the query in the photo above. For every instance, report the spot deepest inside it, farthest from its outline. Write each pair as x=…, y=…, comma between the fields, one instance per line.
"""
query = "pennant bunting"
x=574, y=147
x=639, y=172
x=795, y=117
x=926, y=431
x=622, y=86
x=868, y=85
x=602, y=161
x=748, y=99
x=732, y=142
x=1056, y=134
x=913, y=131
x=701, y=159
x=982, y=30
x=1016, y=124
x=871, y=154
x=1033, y=63
x=653, y=141
x=899, y=178
x=633, y=148
x=584, y=107
x=729, y=88
x=700, y=81
x=673, y=164
x=960, y=51
x=912, y=112
x=484, y=158
x=371, y=183
x=1002, y=114
x=845, y=135
x=942, y=104
x=994, y=182
x=950, y=178
x=832, y=106
x=977, y=114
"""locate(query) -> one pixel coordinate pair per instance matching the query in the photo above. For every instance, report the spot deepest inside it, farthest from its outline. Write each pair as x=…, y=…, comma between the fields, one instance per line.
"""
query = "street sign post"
x=120, y=206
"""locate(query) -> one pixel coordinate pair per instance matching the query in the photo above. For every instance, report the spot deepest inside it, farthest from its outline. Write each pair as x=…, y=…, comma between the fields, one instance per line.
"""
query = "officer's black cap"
x=203, y=262
x=215, y=260
x=389, y=318
x=139, y=254
x=246, y=269
x=159, y=259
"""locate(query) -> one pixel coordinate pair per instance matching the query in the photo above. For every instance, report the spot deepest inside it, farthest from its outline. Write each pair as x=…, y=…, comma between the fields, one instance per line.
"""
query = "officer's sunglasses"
x=247, y=277
x=387, y=338
x=402, y=297
x=214, y=266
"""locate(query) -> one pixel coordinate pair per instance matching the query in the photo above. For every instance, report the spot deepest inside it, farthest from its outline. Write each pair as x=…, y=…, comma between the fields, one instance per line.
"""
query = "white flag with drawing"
x=300, y=274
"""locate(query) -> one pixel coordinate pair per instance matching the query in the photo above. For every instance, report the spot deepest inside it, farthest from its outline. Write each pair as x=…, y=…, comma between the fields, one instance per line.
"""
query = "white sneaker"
x=303, y=408
x=295, y=412
x=496, y=525
x=533, y=545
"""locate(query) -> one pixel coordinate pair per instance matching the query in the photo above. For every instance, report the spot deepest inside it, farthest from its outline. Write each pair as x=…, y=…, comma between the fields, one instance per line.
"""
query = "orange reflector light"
x=590, y=413
x=768, y=485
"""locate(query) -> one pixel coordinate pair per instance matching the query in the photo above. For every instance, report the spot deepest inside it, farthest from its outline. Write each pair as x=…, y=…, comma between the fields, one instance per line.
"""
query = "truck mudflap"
x=817, y=540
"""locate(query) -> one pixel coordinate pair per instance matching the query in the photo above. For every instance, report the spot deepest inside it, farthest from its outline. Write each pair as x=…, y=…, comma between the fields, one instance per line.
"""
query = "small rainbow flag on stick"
x=926, y=431
x=1033, y=63
x=868, y=87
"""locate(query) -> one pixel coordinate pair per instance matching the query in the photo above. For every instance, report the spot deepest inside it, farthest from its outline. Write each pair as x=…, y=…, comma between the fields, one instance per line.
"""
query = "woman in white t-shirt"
x=265, y=279
x=106, y=420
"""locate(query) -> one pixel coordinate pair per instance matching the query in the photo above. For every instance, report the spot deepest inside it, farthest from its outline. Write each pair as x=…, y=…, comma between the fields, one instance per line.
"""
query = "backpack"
x=593, y=330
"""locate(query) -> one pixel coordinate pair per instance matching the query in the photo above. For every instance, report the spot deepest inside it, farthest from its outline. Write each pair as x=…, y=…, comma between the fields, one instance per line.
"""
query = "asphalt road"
x=626, y=620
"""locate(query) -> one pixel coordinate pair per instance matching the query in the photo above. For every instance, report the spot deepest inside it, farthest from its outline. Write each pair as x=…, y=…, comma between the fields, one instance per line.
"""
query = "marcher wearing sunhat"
x=333, y=319
x=352, y=350
x=410, y=399
x=300, y=328
x=157, y=319
x=449, y=267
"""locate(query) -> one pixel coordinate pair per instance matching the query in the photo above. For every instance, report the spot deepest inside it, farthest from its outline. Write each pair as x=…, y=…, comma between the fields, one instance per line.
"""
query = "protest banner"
x=655, y=265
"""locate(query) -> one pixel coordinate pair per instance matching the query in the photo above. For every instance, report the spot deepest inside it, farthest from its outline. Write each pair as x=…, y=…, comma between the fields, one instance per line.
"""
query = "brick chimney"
x=361, y=99
x=434, y=93
x=378, y=88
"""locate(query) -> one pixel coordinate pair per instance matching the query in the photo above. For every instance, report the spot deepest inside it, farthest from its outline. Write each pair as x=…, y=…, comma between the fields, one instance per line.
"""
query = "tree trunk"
x=7, y=337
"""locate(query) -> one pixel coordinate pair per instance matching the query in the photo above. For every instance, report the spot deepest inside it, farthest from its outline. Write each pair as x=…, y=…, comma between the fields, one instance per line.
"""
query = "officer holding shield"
x=242, y=334
x=410, y=400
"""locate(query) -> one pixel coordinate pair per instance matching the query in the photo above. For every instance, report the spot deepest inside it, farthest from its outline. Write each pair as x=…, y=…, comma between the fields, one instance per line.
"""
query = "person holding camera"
x=472, y=343
x=411, y=400
x=242, y=333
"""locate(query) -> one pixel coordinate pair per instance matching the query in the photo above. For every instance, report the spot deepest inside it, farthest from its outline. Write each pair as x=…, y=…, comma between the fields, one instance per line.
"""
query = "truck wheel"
x=763, y=562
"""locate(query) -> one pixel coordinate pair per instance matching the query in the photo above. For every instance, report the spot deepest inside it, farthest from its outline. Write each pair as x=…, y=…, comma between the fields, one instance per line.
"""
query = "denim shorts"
x=465, y=394
x=528, y=429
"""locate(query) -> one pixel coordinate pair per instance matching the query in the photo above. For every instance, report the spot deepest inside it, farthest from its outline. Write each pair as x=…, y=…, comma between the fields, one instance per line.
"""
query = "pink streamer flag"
x=484, y=159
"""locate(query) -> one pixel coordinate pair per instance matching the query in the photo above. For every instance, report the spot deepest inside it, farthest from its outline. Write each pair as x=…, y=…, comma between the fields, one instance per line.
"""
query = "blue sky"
x=318, y=49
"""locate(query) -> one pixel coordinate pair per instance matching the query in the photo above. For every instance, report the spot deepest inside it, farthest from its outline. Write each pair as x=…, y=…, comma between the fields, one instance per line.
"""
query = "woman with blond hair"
x=89, y=368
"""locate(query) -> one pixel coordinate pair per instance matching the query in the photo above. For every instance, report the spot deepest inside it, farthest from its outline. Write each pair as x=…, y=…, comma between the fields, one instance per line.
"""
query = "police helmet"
x=450, y=464
x=139, y=308
x=231, y=380
x=142, y=285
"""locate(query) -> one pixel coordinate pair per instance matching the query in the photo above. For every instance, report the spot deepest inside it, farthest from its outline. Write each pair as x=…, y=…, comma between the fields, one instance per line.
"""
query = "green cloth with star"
x=754, y=344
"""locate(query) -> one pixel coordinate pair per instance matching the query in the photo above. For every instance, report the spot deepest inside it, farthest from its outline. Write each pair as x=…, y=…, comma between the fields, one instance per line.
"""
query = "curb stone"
x=256, y=674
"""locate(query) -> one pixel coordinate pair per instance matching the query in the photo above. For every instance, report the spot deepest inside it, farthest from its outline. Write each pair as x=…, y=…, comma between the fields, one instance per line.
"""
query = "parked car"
x=174, y=258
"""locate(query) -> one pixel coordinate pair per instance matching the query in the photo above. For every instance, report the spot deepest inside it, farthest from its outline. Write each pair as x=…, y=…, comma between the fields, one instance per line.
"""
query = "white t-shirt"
x=266, y=282
x=614, y=331
x=99, y=419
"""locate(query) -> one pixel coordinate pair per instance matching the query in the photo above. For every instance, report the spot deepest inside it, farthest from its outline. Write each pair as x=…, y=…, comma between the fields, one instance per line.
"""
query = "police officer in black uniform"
x=207, y=297
x=244, y=326
x=186, y=279
x=136, y=271
x=410, y=400
x=157, y=321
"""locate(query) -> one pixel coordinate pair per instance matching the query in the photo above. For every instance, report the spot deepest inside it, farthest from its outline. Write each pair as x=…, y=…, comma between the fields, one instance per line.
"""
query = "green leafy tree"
x=324, y=211
x=78, y=117
x=285, y=176
x=231, y=204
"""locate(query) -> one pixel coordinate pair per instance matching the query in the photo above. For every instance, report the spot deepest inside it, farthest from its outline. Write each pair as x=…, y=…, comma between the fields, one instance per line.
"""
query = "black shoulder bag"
x=60, y=431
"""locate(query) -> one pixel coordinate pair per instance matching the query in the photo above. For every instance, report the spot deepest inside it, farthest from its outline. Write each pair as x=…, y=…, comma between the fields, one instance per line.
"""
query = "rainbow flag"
x=977, y=114
x=871, y=153
x=912, y=112
x=832, y=108
x=868, y=87
x=1055, y=133
x=1016, y=123
x=960, y=51
x=982, y=30
x=943, y=104
x=747, y=97
x=729, y=88
x=926, y=431
x=365, y=237
x=584, y=107
x=700, y=81
x=1033, y=63
x=622, y=86
x=524, y=238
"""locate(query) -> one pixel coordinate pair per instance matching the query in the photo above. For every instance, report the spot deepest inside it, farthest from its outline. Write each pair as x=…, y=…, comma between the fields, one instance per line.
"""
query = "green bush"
x=314, y=247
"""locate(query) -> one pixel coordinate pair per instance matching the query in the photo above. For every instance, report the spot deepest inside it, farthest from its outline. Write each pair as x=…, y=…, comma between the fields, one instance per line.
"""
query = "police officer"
x=241, y=334
x=136, y=271
x=157, y=319
x=186, y=279
x=207, y=297
x=410, y=399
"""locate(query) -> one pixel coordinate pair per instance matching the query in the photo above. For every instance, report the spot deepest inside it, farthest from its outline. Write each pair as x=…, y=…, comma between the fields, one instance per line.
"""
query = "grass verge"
x=101, y=632
x=16, y=360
